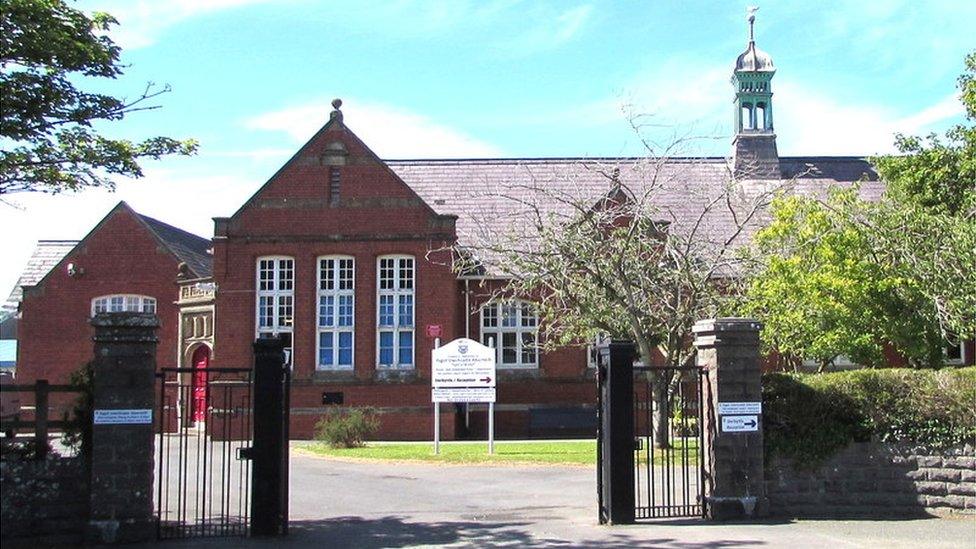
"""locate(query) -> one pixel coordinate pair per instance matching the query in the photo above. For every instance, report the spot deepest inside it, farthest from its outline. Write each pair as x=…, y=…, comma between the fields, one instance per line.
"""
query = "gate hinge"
x=638, y=444
x=245, y=452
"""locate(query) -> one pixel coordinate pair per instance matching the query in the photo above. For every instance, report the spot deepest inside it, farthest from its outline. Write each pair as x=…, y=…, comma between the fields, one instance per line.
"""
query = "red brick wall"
x=119, y=257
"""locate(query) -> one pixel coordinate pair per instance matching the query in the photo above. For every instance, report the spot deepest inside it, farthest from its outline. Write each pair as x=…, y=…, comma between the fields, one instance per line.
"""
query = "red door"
x=201, y=360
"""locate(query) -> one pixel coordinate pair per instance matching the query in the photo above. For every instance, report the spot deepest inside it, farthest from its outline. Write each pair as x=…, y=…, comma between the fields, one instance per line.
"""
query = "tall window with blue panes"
x=336, y=313
x=395, y=312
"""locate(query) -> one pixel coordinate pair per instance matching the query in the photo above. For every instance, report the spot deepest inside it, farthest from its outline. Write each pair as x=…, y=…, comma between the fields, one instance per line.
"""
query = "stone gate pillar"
x=123, y=377
x=728, y=348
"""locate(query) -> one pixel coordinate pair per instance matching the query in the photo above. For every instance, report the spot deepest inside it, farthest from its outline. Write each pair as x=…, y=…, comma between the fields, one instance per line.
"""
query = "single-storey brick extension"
x=340, y=253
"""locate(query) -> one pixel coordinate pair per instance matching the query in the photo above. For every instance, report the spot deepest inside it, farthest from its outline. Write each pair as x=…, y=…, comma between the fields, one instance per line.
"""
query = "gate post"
x=267, y=476
x=728, y=348
x=123, y=377
x=616, y=451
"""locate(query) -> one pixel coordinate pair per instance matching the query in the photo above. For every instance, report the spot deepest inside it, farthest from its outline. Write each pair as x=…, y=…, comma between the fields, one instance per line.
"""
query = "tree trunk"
x=662, y=411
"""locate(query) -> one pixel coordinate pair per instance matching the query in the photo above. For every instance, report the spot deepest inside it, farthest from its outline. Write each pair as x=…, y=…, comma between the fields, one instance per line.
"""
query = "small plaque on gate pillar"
x=122, y=417
x=740, y=424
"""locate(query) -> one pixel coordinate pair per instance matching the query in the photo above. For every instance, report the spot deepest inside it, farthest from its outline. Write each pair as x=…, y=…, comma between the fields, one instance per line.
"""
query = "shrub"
x=809, y=417
x=347, y=428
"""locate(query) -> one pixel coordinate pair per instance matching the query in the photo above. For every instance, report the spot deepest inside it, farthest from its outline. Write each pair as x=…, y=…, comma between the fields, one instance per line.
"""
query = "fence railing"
x=42, y=421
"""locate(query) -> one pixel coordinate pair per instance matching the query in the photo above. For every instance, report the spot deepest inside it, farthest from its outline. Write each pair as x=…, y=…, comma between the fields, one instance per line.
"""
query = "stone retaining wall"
x=869, y=479
x=44, y=500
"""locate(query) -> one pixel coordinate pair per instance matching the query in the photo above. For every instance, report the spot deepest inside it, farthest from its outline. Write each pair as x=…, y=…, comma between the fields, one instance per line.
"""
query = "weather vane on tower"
x=752, y=19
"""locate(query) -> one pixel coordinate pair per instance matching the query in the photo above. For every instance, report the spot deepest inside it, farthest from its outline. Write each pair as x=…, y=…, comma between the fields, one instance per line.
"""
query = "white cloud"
x=812, y=123
x=390, y=131
x=142, y=21
x=551, y=32
x=177, y=197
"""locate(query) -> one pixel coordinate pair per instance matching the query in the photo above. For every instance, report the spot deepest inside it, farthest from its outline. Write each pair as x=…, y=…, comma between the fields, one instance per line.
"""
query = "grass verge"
x=576, y=452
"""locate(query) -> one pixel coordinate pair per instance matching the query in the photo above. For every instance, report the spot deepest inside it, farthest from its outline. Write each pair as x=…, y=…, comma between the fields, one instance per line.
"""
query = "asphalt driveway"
x=362, y=504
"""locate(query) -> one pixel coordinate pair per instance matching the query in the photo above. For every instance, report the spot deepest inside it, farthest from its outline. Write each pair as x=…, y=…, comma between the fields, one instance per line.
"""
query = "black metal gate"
x=212, y=424
x=202, y=478
x=650, y=439
x=669, y=441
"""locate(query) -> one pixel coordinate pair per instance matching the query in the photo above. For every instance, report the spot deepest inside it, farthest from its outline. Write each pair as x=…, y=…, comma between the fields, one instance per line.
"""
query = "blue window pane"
x=325, y=349
x=345, y=310
x=345, y=348
x=386, y=347
x=406, y=348
x=406, y=310
x=326, y=311
x=386, y=310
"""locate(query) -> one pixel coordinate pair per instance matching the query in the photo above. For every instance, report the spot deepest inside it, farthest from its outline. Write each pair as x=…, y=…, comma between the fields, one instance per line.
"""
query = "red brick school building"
x=342, y=254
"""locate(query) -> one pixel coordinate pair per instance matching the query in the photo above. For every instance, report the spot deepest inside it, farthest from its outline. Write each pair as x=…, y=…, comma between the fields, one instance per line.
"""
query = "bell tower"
x=754, y=154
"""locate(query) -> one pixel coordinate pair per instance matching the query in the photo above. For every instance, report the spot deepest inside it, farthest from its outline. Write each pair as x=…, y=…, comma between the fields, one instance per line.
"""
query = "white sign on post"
x=739, y=424
x=463, y=363
x=463, y=371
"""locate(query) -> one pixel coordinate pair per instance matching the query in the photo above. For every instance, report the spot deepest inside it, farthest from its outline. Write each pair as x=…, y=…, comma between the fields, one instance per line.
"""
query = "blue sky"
x=252, y=80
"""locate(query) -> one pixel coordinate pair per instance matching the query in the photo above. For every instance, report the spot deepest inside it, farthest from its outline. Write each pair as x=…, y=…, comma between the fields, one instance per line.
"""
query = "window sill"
x=395, y=375
x=334, y=376
x=508, y=373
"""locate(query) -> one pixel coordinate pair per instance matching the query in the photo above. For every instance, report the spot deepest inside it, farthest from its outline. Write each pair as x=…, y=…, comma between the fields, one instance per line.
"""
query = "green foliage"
x=78, y=431
x=820, y=294
x=46, y=121
x=809, y=417
x=347, y=428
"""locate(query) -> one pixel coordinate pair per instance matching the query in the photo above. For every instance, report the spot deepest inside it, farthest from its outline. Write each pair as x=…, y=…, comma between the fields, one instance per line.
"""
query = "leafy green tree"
x=847, y=276
x=47, y=139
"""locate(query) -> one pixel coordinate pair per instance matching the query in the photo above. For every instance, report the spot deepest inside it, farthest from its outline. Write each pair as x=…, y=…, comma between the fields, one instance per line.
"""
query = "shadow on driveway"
x=395, y=531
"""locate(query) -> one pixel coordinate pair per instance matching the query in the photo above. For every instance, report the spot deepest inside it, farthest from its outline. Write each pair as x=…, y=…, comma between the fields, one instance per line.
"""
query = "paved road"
x=348, y=504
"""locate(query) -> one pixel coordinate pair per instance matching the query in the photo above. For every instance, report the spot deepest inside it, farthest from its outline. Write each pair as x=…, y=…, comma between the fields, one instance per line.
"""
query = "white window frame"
x=593, y=348
x=518, y=329
x=277, y=295
x=962, y=354
x=397, y=328
x=336, y=292
x=123, y=303
x=840, y=361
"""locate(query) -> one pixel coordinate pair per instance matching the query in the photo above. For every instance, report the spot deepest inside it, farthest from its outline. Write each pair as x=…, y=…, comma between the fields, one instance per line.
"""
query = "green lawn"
x=577, y=452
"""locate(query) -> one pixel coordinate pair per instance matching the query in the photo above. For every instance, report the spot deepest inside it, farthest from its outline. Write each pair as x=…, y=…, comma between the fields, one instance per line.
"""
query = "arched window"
x=513, y=327
x=275, y=307
x=761, y=116
x=118, y=303
x=336, y=312
x=395, y=305
x=748, y=122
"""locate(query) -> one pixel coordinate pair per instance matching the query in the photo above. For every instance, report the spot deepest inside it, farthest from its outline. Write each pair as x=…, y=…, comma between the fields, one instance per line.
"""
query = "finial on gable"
x=336, y=113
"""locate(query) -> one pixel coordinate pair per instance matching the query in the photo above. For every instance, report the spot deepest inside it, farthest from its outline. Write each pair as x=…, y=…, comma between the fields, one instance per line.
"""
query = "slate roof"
x=47, y=254
x=493, y=197
x=187, y=247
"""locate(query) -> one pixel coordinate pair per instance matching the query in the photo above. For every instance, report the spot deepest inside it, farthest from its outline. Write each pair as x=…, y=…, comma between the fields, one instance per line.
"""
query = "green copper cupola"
x=754, y=144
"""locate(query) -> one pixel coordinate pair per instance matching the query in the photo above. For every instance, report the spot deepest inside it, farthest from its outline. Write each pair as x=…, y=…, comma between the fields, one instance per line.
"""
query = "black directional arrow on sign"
x=486, y=379
x=751, y=423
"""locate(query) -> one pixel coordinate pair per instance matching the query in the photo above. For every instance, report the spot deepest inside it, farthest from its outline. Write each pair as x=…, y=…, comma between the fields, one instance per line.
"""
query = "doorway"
x=201, y=362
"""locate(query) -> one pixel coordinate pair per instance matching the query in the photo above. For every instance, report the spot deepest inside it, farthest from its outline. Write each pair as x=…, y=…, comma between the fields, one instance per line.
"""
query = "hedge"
x=809, y=417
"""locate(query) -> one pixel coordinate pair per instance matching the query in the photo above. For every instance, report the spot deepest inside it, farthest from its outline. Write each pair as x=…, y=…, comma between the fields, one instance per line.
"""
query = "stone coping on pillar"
x=729, y=324
x=125, y=327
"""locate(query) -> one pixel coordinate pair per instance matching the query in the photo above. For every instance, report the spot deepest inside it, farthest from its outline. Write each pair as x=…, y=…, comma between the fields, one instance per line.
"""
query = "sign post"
x=463, y=371
x=437, y=408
